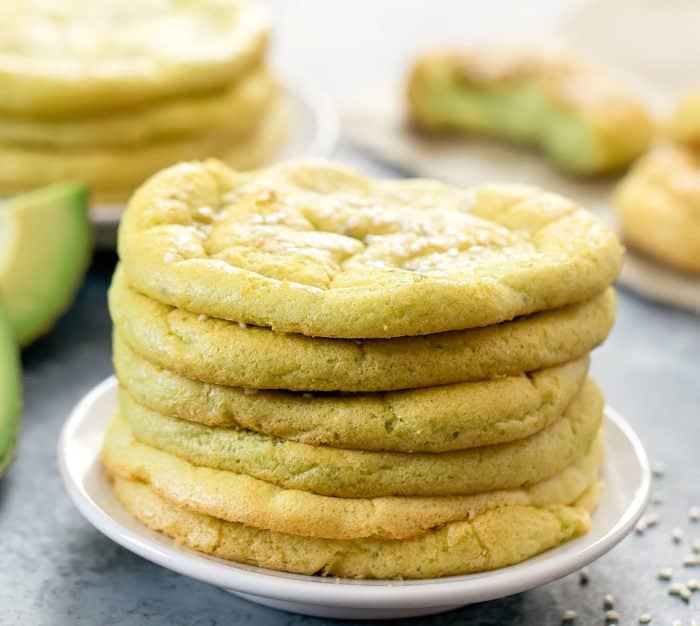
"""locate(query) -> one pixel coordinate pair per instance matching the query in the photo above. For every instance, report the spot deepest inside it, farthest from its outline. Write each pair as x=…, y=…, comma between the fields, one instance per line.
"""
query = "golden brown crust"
x=224, y=353
x=241, y=498
x=318, y=249
x=495, y=538
x=684, y=125
x=433, y=419
x=658, y=205
x=358, y=473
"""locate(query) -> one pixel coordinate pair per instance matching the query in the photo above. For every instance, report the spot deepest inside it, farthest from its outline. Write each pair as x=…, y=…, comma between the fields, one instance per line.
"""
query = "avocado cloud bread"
x=583, y=121
x=658, y=206
x=175, y=81
x=416, y=377
x=684, y=124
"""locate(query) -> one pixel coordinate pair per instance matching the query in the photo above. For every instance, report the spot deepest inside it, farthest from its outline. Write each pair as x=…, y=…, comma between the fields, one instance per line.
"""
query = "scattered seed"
x=608, y=601
x=568, y=616
x=693, y=584
x=677, y=535
x=612, y=616
x=658, y=468
x=694, y=513
x=696, y=546
x=692, y=560
x=584, y=576
x=685, y=594
x=640, y=527
x=665, y=573
x=651, y=520
x=676, y=622
x=644, y=618
x=675, y=589
x=658, y=497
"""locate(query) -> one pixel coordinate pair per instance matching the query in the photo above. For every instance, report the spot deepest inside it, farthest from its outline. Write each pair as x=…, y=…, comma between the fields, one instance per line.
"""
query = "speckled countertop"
x=56, y=570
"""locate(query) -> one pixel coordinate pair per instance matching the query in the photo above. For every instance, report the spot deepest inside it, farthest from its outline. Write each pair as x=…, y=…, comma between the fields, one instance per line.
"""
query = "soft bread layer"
x=583, y=122
x=235, y=109
x=242, y=498
x=225, y=353
x=433, y=419
x=494, y=538
x=114, y=172
x=96, y=57
x=658, y=205
x=684, y=126
x=357, y=473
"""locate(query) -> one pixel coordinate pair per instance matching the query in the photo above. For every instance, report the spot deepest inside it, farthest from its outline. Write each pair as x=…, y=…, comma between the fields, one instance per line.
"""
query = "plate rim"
x=337, y=592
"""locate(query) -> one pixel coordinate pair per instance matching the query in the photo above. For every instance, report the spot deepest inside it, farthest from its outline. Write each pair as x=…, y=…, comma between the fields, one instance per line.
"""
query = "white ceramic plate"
x=627, y=480
x=315, y=131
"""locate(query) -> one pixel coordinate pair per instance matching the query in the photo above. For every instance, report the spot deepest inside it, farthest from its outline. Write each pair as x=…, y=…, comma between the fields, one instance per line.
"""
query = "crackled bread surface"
x=68, y=57
x=433, y=419
x=658, y=205
x=226, y=353
x=317, y=249
x=242, y=498
x=358, y=473
x=568, y=108
x=495, y=538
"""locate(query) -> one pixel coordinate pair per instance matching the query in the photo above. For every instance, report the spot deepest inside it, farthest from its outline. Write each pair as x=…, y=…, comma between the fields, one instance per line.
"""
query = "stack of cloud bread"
x=110, y=92
x=583, y=120
x=658, y=202
x=324, y=373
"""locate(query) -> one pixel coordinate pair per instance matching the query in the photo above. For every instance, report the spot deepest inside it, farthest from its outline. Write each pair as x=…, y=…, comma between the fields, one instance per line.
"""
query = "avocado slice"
x=10, y=391
x=44, y=252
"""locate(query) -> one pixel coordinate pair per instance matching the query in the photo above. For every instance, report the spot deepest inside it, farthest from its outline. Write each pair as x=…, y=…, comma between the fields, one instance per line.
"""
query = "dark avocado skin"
x=10, y=392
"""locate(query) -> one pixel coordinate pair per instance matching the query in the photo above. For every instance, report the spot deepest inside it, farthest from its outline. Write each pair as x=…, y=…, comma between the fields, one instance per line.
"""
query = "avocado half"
x=10, y=391
x=44, y=252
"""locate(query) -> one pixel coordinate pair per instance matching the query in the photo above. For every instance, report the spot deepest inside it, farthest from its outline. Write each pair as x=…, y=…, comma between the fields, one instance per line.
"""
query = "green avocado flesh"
x=519, y=113
x=44, y=251
x=10, y=392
